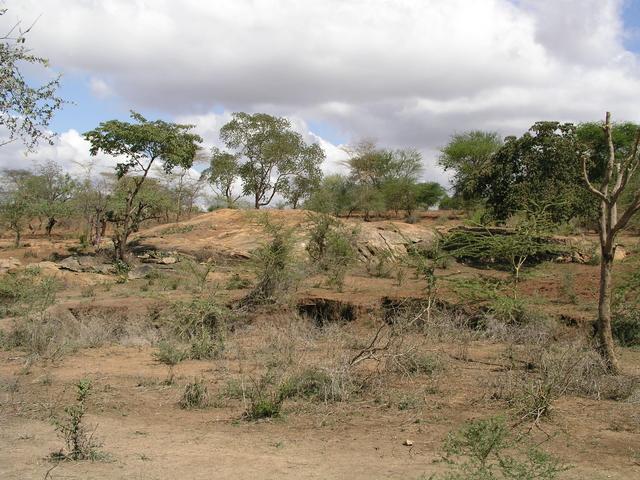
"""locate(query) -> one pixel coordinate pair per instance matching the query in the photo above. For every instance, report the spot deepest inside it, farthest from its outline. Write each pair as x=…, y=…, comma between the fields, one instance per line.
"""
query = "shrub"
x=195, y=395
x=380, y=265
x=79, y=443
x=414, y=363
x=265, y=398
x=331, y=248
x=201, y=323
x=528, y=242
x=27, y=293
x=205, y=346
x=311, y=383
x=626, y=328
x=38, y=337
x=197, y=272
x=486, y=450
x=169, y=353
x=274, y=266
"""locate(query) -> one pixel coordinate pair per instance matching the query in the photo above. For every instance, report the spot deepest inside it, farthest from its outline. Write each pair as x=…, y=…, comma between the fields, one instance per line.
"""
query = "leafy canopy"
x=141, y=143
x=25, y=110
x=271, y=156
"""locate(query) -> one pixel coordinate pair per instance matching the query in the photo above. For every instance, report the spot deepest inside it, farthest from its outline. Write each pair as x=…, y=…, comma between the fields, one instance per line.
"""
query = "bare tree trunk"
x=605, y=336
x=615, y=180
x=50, y=224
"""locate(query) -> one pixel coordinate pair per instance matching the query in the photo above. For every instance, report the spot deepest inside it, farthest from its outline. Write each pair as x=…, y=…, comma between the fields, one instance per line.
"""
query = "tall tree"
x=15, y=203
x=52, y=190
x=335, y=195
x=618, y=171
x=222, y=175
x=382, y=177
x=25, y=110
x=137, y=146
x=270, y=154
x=468, y=155
x=537, y=171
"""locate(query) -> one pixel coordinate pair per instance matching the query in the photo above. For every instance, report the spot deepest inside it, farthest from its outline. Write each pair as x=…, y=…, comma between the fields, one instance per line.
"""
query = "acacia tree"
x=25, y=110
x=222, y=174
x=52, y=191
x=618, y=171
x=270, y=154
x=468, y=155
x=15, y=205
x=137, y=146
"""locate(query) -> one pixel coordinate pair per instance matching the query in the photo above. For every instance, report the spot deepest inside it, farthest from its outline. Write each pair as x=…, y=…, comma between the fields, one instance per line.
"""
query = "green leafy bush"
x=79, y=442
x=487, y=450
x=169, y=353
x=274, y=266
x=331, y=248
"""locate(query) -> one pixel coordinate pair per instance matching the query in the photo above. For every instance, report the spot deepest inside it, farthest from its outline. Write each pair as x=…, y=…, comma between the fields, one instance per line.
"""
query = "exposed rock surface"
x=86, y=263
x=9, y=265
x=235, y=233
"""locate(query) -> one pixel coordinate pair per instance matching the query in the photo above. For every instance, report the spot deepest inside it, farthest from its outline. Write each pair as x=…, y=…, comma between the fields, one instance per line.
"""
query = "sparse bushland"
x=542, y=374
x=79, y=441
x=193, y=329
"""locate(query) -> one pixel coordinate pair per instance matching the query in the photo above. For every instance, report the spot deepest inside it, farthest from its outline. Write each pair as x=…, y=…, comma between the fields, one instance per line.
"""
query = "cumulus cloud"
x=408, y=73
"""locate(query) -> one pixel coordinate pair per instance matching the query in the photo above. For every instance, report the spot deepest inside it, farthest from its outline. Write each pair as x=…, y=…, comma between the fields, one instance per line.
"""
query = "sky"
x=407, y=73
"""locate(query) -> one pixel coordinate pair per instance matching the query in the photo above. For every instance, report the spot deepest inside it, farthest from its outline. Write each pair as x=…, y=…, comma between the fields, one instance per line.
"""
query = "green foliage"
x=25, y=110
x=52, y=191
x=265, y=397
x=198, y=271
x=271, y=157
x=310, y=383
x=16, y=208
x=274, y=266
x=201, y=323
x=486, y=450
x=528, y=241
x=27, y=292
x=335, y=195
x=331, y=247
x=195, y=395
x=469, y=156
x=222, y=174
x=626, y=327
x=407, y=195
x=169, y=353
x=79, y=442
x=139, y=145
x=542, y=167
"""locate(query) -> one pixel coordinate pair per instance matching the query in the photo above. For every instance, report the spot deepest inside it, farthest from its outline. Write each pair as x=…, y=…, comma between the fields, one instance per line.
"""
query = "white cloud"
x=100, y=88
x=407, y=72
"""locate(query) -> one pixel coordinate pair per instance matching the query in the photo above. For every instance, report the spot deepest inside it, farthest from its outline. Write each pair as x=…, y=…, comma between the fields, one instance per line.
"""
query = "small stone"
x=408, y=443
x=168, y=260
